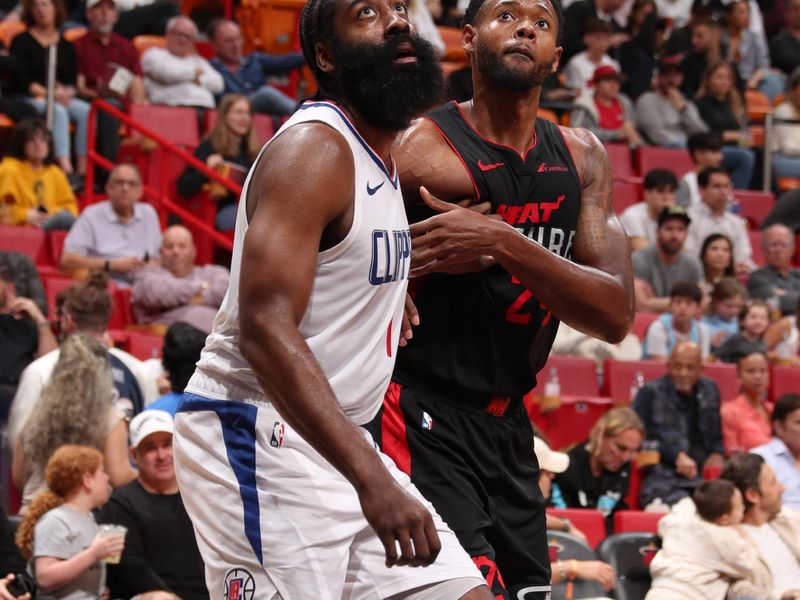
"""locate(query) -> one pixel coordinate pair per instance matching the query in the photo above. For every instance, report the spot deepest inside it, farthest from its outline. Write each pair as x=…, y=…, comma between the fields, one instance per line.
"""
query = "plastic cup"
x=649, y=454
x=111, y=530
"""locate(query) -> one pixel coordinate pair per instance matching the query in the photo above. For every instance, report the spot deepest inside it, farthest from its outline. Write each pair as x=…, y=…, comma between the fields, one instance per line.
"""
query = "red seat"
x=588, y=520
x=619, y=155
x=27, y=240
x=676, y=160
x=634, y=485
x=641, y=321
x=784, y=380
x=145, y=345
x=620, y=375
x=625, y=194
x=724, y=375
x=755, y=206
x=755, y=241
x=636, y=520
x=577, y=375
x=571, y=422
x=53, y=286
x=55, y=246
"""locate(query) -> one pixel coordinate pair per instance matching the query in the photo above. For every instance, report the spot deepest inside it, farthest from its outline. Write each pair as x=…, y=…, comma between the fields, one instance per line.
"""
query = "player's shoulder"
x=581, y=140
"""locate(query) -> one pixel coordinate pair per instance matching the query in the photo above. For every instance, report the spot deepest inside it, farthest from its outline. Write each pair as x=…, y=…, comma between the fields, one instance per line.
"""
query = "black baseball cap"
x=673, y=212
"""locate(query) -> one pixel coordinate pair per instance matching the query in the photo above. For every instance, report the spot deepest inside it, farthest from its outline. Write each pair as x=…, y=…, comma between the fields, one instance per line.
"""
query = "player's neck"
x=503, y=116
x=380, y=140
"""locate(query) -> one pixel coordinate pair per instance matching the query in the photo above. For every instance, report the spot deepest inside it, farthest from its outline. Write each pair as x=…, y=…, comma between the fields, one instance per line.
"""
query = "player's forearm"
x=593, y=301
x=57, y=573
x=295, y=384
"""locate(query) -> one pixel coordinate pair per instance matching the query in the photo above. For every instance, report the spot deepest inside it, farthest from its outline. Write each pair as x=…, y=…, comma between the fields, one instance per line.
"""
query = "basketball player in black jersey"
x=491, y=292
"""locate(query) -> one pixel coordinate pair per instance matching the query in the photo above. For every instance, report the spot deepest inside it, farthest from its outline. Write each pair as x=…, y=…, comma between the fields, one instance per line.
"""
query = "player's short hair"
x=743, y=471
x=714, y=499
x=704, y=176
x=660, y=179
x=686, y=289
x=705, y=140
x=475, y=6
x=316, y=26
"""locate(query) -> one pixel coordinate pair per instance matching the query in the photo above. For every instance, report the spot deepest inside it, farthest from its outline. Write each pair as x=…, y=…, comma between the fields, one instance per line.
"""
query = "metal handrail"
x=160, y=198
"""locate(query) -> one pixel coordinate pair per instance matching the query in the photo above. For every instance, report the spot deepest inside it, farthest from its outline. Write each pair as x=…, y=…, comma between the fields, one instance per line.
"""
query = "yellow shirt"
x=18, y=186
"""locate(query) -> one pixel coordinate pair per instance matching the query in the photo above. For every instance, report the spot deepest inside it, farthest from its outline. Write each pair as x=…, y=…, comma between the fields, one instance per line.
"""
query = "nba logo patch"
x=277, y=435
x=427, y=422
x=239, y=585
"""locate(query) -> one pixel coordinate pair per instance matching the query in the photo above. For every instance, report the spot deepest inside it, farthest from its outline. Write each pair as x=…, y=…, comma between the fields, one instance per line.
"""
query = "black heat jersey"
x=483, y=335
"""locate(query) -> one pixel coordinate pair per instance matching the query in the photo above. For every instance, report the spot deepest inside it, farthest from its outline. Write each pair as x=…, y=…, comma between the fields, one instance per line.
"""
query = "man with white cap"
x=161, y=560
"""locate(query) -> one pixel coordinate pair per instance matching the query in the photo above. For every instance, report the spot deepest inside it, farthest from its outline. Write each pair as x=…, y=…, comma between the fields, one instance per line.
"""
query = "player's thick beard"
x=490, y=64
x=386, y=94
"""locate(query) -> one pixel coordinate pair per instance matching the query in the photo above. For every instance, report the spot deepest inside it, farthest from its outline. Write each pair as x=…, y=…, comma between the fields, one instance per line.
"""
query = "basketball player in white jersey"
x=289, y=497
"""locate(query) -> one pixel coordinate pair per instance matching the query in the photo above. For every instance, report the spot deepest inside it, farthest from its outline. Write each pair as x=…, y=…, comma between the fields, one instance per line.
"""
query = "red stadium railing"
x=159, y=198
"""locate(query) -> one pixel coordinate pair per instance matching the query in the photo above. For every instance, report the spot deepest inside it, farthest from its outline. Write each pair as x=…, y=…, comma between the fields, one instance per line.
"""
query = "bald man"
x=777, y=278
x=179, y=290
x=681, y=412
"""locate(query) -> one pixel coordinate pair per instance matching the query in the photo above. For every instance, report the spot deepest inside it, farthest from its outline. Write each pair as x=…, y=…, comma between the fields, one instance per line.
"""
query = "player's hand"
x=685, y=465
x=398, y=518
x=596, y=570
x=458, y=240
x=410, y=319
x=103, y=546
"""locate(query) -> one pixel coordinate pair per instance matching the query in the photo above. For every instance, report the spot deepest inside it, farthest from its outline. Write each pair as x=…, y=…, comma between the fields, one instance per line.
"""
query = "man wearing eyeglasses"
x=177, y=75
x=777, y=278
x=119, y=235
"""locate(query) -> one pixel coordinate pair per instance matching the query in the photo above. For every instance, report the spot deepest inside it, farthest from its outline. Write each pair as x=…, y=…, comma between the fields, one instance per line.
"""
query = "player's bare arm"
x=290, y=220
x=594, y=294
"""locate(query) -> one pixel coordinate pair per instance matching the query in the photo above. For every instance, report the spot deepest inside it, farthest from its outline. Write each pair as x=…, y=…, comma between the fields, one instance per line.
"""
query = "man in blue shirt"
x=783, y=451
x=247, y=74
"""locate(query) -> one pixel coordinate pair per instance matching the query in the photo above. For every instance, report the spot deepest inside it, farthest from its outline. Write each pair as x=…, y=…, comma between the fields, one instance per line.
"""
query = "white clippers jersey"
x=353, y=320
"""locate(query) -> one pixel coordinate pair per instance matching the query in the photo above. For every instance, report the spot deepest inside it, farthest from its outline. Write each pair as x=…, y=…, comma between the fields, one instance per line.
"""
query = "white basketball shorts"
x=273, y=519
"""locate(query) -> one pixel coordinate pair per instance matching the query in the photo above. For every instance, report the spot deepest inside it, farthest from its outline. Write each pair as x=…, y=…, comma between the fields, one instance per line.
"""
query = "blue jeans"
x=785, y=166
x=78, y=112
x=271, y=101
x=772, y=83
x=63, y=219
x=739, y=162
x=226, y=217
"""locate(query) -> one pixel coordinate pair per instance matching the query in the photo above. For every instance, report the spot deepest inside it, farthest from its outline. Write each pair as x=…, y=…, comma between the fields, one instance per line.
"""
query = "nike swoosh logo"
x=484, y=167
x=371, y=190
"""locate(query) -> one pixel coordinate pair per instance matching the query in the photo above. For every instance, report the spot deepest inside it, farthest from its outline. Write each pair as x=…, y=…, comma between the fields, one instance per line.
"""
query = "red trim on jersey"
x=485, y=139
x=389, y=340
x=461, y=158
x=393, y=429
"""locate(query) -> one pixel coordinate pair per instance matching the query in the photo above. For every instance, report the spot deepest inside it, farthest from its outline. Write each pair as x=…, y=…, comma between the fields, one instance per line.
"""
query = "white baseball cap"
x=148, y=422
x=549, y=460
x=91, y=3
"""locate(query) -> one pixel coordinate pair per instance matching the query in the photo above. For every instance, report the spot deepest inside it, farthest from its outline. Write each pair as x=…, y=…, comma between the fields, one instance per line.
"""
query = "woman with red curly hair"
x=59, y=533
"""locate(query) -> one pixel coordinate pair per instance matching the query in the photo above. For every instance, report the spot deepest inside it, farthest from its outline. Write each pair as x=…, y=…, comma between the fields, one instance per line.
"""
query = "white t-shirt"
x=782, y=563
x=637, y=222
x=580, y=70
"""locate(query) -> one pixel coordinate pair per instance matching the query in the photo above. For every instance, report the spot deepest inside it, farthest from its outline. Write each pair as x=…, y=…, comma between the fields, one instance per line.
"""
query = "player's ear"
x=556, y=60
x=468, y=38
x=324, y=59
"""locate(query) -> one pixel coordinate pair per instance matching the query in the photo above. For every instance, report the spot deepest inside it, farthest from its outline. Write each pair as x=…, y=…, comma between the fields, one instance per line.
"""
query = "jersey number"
x=515, y=315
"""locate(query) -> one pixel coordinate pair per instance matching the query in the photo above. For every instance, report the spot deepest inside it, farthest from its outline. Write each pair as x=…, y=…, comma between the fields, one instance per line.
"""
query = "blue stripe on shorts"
x=238, y=421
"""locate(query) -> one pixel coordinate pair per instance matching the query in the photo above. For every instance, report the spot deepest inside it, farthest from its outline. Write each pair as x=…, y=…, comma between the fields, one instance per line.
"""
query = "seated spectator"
x=753, y=323
x=678, y=324
x=712, y=216
x=783, y=340
x=59, y=534
x=27, y=282
x=576, y=343
x=722, y=320
x=74, y=408
x=247, y=75
x=786, y=211
x=782, y=452
x=11, y=561
x=722, y=108
x=705, y=148
x=119, y=235
x=702, y=551
x=550, y=464
x=746, y=418
x=177, y=75
x=747, y=49
x=771, y=531
x=160, y=551
x=640, y=220
x=11, y=75
x=24, y=335
x=85, y=310
x=777, y=278
x=681, y=412
x=579, y=13
x=716, y=257
x=230, y=148
x=179, y=290
x=657, y=268
x=706, y=48
x=786, y=149
x=97, y=51
x=144, y=17
x=580, y=69
x=182, y=347
x=637, y=57
x=599, y=468
x=43, y=20
x=421, y=18
x=604, y=111
x=664, y=116
x=39, y=190
x=784, y=47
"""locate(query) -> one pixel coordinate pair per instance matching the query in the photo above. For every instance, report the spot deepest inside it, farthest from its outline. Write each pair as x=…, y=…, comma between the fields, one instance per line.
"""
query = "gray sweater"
x=662, y=125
